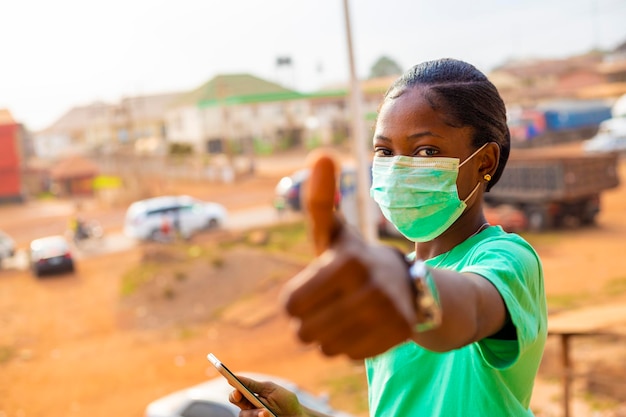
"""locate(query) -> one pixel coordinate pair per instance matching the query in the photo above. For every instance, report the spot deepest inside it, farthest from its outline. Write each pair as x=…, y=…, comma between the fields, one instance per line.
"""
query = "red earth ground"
x=73, y=345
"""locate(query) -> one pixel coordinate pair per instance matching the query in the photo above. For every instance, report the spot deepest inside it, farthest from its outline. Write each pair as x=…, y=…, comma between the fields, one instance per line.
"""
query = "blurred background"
x=151, y=161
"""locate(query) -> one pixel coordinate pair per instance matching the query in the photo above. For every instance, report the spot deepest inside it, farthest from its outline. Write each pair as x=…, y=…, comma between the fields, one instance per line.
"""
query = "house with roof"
x=236, y=112
x=77, y=131
x=230, y=111
x=139, y=123
x=105, y=127
x=73, y=175
x=531, y=81
x=613, y=67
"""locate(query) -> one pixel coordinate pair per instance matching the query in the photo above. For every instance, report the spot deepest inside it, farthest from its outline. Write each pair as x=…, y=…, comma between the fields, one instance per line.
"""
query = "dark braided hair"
x=466, y=97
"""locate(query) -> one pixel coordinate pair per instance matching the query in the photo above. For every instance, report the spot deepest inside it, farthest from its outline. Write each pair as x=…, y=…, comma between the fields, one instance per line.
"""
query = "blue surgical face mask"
x=418, y=195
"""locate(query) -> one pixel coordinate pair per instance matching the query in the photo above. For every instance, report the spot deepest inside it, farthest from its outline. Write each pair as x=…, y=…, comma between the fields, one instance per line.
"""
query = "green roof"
x=237, y=89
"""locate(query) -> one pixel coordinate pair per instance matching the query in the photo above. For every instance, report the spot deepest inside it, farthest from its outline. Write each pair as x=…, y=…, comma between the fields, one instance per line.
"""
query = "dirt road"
x=72, y=345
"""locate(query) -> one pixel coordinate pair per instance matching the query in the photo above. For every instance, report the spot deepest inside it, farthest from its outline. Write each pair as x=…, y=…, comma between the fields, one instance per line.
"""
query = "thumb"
x=319, y=200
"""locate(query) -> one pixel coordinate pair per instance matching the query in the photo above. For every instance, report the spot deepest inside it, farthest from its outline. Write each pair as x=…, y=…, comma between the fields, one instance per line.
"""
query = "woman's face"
x=408, y=125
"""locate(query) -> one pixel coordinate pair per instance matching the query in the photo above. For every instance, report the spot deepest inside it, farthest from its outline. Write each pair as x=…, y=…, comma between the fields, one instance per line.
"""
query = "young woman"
x=459, y=328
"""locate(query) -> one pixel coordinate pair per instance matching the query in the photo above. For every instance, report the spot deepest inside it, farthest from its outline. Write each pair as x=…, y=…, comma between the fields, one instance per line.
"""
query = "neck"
x=455, y=235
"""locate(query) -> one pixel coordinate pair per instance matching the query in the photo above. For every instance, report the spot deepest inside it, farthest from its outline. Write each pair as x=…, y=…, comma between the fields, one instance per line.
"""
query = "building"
x=529, y=82
x=229, y=113
x=133, y=123
x=79, y=130
x=11, y=136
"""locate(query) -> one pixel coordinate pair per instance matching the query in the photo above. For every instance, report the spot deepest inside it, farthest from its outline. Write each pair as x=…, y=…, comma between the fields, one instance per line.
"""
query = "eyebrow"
x=413, y=136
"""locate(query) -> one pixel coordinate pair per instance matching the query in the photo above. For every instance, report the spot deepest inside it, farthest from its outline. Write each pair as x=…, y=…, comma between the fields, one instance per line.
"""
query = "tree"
x=385, y=66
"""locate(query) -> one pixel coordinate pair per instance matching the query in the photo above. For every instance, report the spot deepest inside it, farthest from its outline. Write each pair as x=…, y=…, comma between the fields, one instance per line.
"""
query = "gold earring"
x=487, y=177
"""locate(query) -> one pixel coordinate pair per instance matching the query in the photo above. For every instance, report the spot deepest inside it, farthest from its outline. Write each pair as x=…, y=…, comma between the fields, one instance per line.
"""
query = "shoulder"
x=502, y=257
x=495, y=243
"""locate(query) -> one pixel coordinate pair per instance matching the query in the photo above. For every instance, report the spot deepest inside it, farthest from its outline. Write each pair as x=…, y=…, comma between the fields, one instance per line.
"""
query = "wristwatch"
x=427, y=305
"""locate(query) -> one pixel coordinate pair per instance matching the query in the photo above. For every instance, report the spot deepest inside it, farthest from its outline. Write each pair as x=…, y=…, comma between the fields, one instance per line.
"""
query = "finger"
x=355, y=317
x=372, y=333
x=317, y=287
x=263, y=389
x=237, y=398
x=319, y=200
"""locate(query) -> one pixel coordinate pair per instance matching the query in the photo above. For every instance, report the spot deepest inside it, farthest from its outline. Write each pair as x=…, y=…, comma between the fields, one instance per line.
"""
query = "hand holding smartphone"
x=235, y=382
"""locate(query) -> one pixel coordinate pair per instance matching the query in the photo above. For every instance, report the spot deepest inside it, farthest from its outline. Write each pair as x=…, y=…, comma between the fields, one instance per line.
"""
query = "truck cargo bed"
x=533, y=176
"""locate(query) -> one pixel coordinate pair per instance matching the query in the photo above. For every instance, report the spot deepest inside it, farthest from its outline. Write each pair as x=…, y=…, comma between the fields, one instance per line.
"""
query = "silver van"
x=183, y=215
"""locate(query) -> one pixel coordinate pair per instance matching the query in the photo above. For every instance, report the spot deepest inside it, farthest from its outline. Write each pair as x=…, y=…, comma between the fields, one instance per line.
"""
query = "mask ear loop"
x=467, y=159
x=474, y=154
x=472, y=193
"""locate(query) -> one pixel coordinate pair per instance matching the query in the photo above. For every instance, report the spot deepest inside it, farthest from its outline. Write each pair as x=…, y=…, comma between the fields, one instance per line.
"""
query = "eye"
x=378, y=151
x=427, y=152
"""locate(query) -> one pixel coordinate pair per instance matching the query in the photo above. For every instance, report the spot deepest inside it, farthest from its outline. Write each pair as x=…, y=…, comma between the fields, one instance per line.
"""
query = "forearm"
x=471, y=309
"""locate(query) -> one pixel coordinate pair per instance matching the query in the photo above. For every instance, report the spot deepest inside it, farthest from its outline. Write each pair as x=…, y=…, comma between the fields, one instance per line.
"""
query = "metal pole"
x=364, y=202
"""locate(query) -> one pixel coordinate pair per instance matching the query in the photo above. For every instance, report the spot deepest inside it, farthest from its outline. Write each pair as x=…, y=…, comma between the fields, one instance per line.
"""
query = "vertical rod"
x=365, y=212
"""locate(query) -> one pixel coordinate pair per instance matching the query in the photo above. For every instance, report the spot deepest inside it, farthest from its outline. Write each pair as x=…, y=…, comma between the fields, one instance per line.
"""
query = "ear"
x=490, y=158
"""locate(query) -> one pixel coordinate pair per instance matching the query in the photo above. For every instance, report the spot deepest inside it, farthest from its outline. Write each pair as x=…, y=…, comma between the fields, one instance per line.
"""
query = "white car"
x=51, y=254
x=611, y=137
x=7, y=246
x=186, y=215
x=210, y=399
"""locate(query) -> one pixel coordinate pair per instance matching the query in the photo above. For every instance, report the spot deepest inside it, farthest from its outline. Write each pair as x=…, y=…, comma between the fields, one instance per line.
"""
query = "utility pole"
x=364, y=202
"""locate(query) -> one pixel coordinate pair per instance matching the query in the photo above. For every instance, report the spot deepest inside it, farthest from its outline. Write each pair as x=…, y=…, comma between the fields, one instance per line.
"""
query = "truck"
x=555, y=186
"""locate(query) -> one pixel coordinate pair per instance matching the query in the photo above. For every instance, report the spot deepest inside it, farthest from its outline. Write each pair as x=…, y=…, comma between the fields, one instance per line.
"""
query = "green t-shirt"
x=486, y=378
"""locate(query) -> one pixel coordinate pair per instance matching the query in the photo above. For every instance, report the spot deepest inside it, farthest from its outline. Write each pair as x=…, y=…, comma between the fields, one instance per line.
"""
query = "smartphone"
x=235, y=382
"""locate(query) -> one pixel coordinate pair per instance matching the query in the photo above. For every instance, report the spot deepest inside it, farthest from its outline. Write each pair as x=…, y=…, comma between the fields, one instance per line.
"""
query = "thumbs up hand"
x=353, y=298
x=319, y=201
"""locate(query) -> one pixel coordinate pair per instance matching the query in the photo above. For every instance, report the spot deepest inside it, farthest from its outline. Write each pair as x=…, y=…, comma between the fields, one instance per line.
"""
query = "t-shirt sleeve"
x=514, y=268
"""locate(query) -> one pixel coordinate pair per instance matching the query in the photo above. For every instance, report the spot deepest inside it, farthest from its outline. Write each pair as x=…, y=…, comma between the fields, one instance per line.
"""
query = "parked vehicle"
x=288, y=191
x=7, y=247
x=50, y=254
x=288, y=195
x=159, y=218
x=551, y=186
x=611, y=137
x=211, y=399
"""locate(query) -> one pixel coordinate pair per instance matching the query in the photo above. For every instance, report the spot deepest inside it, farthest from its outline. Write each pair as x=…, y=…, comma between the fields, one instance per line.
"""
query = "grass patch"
x=616, y=286
x=613, y=288
x=186, y=333
x=137, y=276
x=6, y=354
x=566, y=301
x=291, y=239
x=600, y=403
x=349, y=391
x=196, y=251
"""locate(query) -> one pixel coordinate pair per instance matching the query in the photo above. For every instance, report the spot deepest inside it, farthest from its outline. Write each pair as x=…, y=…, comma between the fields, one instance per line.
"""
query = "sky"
x=58, y=54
